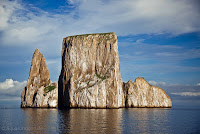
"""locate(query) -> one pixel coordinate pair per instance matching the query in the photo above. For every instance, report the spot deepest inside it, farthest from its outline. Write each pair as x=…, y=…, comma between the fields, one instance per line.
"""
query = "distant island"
x=90, y=78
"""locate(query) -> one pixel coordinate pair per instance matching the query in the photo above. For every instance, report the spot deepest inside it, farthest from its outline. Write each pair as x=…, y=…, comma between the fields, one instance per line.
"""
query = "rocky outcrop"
x=90, y=75
x=142, y=94
x=39, y=91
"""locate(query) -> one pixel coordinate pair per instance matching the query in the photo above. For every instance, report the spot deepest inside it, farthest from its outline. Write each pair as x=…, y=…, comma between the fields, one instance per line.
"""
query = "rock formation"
x=90, y=78
x=142, y=94
x=39, y=91
x=90, y=75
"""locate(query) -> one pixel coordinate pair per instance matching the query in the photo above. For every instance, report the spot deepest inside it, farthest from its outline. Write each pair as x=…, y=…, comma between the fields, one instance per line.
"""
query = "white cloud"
x=162, y=53
x=140, y=16
x=53, y=61
x=8, y=83
x=139, y=40
x=24, y=24
x=7, y=8
x=157, y=83
x=142, y=59
x=159, y=69
x=198, y=84
x=11, y=88
x=10, y=98
x=187, y=93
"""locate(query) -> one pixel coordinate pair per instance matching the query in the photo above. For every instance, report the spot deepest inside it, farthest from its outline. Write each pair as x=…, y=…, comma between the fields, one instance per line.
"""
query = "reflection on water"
x=42, y=120
x=131, y=120
x=90, y=120
x=74, y=120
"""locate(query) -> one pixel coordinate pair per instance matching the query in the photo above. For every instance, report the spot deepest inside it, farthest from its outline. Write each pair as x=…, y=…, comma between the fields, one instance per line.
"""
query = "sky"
x=157, y=40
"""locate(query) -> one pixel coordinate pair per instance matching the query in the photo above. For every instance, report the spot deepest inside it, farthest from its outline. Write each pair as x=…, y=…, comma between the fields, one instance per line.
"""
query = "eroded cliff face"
x=142, y=94
x=90, y=75
x=39, y=92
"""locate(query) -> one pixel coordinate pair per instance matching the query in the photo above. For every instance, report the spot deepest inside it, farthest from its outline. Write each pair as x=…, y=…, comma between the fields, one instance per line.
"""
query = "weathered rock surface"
x=90, y=75
x=39, y=91
x=142, y=94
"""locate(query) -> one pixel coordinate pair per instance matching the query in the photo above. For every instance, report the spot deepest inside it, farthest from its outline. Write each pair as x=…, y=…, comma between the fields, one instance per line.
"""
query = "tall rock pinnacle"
x=39, y=73
x=38, y=84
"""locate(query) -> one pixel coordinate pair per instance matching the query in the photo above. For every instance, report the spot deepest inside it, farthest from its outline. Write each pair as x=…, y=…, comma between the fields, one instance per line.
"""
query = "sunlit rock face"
x=142, y=94
x=39, y=91
x=90, y=75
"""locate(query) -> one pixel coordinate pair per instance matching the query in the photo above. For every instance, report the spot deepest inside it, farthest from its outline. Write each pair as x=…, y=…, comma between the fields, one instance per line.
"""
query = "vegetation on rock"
x=48, y=89
x=102, y=78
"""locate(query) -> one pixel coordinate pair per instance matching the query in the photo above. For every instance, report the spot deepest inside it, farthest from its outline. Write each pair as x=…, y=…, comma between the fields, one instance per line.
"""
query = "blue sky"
x=158, y=40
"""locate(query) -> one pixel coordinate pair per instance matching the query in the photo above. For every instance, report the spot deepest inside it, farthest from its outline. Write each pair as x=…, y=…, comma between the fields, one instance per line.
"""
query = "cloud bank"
x=187, y=93
x=155, y=62
x=21, y=24
x=154, y=83
x=11, y=90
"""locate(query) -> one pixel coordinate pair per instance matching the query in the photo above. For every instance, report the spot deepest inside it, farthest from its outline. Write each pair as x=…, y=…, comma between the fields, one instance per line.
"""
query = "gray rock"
x=37, y=91
x=90, y=75
x=142, y=94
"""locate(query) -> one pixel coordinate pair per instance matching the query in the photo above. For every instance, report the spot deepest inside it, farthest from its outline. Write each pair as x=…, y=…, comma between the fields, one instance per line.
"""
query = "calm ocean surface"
x=178, y=120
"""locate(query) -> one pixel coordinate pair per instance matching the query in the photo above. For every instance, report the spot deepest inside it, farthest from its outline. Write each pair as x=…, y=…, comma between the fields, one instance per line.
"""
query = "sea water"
x=177, y=120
